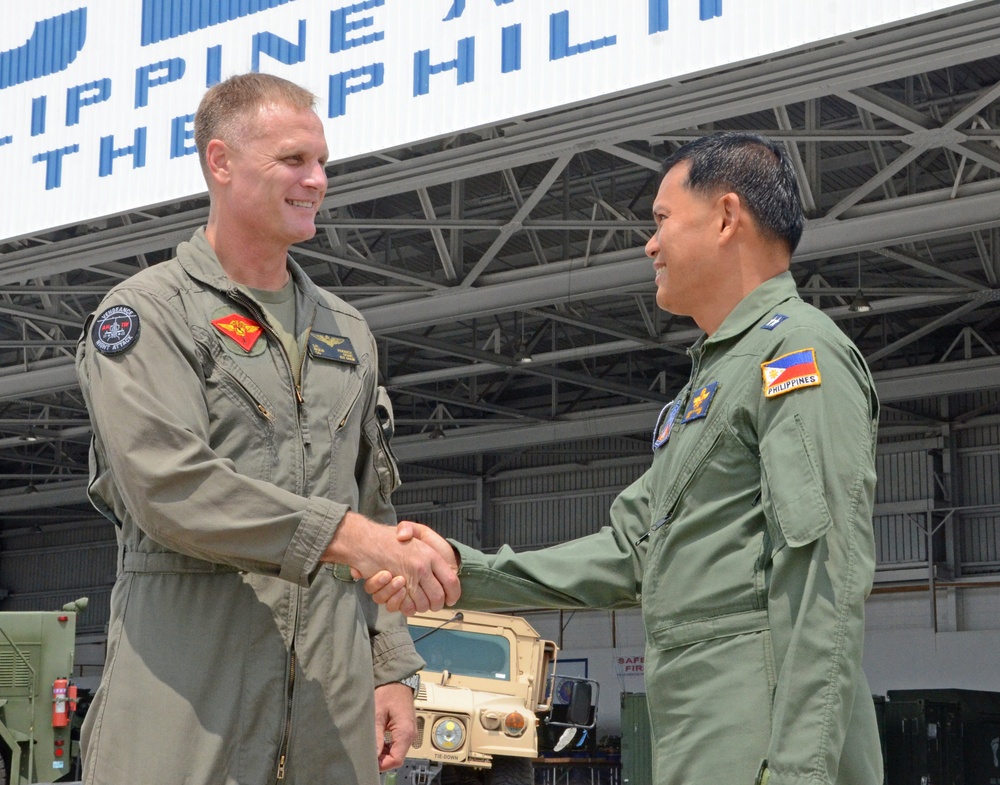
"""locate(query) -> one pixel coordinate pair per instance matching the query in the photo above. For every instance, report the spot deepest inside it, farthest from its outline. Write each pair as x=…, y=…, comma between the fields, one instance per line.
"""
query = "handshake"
x=411, y=569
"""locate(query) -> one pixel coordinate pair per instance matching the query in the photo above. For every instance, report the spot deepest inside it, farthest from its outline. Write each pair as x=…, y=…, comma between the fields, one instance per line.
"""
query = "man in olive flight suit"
x=748, y=543
x=241, y=448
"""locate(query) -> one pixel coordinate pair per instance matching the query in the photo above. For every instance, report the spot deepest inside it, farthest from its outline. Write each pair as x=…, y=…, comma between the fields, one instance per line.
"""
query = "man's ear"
x=218, y=161
x=731, y=215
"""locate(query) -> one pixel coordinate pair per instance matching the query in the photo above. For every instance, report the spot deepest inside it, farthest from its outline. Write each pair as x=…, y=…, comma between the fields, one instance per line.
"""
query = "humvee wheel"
x=511, y=771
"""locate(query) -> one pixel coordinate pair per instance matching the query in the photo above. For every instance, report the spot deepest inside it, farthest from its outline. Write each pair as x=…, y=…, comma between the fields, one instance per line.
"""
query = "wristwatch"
x=413, y=682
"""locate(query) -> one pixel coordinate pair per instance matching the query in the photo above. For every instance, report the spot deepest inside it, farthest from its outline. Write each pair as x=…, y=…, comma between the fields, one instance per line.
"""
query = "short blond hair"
x=226, y=109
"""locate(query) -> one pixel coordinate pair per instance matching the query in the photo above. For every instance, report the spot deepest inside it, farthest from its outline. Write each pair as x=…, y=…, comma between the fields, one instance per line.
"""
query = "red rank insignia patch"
x=243, y=330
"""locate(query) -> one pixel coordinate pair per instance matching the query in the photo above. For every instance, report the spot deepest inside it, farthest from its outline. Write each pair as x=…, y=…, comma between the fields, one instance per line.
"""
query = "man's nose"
x=652, y=247
x=316, y=177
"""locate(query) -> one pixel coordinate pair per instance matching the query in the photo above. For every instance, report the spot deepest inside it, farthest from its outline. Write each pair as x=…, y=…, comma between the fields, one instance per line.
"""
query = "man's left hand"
x=395, y=724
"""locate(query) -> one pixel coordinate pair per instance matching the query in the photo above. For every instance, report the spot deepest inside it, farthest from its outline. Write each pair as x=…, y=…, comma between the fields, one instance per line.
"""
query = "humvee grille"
x=418, y=742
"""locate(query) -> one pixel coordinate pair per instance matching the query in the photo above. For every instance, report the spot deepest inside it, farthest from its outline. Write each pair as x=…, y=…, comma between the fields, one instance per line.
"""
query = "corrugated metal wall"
x=45, y=571
x=556, y=494
x=979, y=487
x=451, y=507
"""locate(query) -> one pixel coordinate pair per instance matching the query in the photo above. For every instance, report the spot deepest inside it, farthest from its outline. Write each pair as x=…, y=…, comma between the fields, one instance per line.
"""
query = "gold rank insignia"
x=700, y=401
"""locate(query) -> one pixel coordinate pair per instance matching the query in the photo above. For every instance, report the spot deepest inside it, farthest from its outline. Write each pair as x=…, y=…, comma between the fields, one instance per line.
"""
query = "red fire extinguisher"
x=60, y=713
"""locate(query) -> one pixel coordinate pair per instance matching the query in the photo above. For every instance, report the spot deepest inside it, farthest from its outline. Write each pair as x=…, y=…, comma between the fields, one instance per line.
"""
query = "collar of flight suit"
x=753, y=308
x=198, y=259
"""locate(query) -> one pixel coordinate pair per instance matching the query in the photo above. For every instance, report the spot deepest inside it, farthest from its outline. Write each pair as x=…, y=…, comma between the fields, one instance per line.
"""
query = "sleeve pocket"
x=379, y=431
x=792, y=486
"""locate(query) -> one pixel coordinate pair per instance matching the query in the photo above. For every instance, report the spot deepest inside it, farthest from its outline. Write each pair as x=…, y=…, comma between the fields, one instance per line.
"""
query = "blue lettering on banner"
x=710, y=9
x=339, y=89
x=109, y=153
x=340, y=27
x=56, y=43
x=99, y=91
x=182, y=131
x=458, y=8
x=53, y=164
x=559, y=45
x=281, y=50
x=38, y=115
x=464, y=64
x=174, y=68
x=53, y=45
x=659, y=16
x=510, y=49
x=165, y=19
x=213, y=65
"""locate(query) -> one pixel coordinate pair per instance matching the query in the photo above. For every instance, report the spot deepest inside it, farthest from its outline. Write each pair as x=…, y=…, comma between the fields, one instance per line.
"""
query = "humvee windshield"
x=463, y=653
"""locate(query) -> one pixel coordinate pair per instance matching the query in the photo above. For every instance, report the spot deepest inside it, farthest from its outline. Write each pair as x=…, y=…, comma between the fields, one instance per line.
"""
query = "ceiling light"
x=860, y=303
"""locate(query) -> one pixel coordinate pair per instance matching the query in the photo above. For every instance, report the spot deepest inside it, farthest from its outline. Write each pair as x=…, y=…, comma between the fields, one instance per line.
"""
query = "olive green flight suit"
x=234, y=656
x=748, y=545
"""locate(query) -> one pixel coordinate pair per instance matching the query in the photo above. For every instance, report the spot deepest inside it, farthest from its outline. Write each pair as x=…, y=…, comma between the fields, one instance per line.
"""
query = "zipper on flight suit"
x=655, y=527
x=283, y=752
x=262, y=410
x=357, y=395
x=261, y=317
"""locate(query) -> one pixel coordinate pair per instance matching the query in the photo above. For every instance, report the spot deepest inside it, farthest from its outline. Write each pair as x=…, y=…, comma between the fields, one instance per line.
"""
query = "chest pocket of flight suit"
x=792, y=492
x=242, y=417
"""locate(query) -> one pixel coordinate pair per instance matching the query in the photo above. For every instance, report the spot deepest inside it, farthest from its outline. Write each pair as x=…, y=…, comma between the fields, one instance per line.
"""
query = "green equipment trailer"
x=37, y=698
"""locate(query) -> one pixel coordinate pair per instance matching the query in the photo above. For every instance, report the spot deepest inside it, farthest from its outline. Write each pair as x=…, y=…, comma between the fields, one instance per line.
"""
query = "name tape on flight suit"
x=789, y=372
x=332, y=347
x=116, y=329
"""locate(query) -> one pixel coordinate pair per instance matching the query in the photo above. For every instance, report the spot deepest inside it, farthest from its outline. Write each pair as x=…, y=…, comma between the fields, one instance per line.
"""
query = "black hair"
x=755, y=169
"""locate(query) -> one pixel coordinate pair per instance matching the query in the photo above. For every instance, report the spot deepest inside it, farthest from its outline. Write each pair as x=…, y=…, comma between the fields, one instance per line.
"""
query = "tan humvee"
x=484, y=696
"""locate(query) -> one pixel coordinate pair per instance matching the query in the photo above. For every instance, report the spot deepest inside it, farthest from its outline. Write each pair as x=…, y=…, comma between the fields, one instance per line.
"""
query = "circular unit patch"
x=115, y=330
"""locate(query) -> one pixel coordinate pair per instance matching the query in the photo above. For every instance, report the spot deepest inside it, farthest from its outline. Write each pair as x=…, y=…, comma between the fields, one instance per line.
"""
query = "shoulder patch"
x=242, y=329
x=790, y=372
x=332, y=347
x=773, y=322
x=116, y=329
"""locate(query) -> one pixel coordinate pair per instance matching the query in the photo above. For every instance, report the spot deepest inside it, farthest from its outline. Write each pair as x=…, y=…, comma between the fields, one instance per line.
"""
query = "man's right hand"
x=425, y=577
x=390, y=589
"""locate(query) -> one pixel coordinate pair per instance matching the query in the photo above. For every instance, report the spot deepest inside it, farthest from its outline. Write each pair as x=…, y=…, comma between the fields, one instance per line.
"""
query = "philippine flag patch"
x=790, y=372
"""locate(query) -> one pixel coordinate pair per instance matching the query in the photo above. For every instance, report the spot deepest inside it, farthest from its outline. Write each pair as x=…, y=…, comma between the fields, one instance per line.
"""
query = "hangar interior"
x=502, y=272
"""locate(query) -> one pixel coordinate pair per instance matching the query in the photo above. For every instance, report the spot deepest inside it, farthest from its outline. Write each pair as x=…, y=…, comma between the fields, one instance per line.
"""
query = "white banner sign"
x=97, y=96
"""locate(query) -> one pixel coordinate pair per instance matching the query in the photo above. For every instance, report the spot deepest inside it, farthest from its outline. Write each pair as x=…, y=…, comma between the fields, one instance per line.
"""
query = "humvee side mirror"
x=578, y=709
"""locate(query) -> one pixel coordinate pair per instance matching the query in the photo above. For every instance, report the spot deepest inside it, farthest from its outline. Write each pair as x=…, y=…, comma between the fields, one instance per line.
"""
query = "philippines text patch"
x=242, y=329
x=790, y=372
x=701, y=399
x=115, y=330
x=332, y=347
